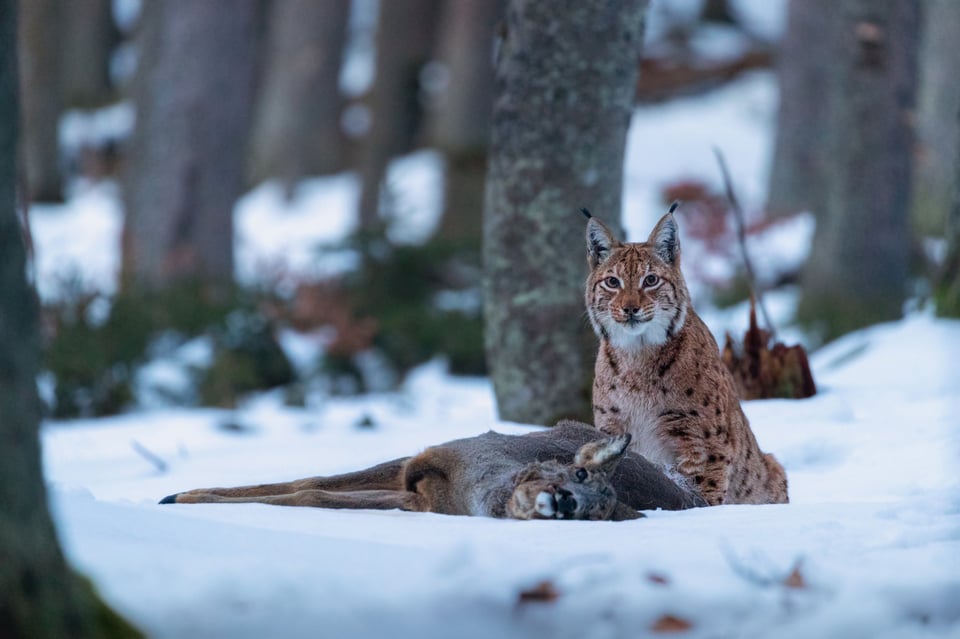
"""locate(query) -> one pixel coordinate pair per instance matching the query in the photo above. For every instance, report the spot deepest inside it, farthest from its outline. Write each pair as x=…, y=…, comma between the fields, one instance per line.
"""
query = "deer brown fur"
x=571, y=471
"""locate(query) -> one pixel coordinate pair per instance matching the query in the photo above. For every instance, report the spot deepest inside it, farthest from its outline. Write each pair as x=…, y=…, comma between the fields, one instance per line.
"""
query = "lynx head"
x=581, y=490
x=635, y=293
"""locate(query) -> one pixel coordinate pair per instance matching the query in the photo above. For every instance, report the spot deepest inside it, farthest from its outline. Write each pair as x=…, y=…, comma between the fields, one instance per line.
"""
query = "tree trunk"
x=406, y=31
x=40, y=65
x=566, y=79
x=193, y=92
x=296, y=129
x=857, y=271
x=948, y=284
x=938, y=99
x=800, y=158
x=88, y=40
x=39, y=596
x=717, y=11
x=461, y=127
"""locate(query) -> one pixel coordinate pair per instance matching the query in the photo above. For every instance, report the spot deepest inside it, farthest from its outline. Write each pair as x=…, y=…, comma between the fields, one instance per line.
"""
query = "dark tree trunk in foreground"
x=948, y=284
x=800, y=154
x=857, y=271
x=406, y=32
x=566, y=79
x=193, y=93
x=938, y=100
x=296, y=130
x=40, y=65
x=461, y=127
x=88, y=40
x=39, y=596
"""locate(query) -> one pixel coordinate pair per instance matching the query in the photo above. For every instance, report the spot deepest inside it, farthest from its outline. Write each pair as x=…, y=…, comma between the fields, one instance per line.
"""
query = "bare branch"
x=755, y=293
x=150, y=456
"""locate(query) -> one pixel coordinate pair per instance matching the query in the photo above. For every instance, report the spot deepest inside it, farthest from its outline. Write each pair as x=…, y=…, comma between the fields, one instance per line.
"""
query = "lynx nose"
x=631, y=310
x=566, y=502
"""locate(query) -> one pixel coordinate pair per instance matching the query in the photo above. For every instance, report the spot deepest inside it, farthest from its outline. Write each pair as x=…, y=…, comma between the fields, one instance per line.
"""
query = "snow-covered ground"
x=873, y=527
x=868, y=547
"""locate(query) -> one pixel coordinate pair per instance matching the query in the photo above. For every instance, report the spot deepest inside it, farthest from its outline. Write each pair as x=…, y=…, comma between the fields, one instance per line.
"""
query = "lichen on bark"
x=566, y=76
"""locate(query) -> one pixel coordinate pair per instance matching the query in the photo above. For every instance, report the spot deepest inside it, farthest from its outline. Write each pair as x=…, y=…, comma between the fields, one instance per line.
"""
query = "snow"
x=674, y=141
x=95, y=128
x=872, y=531
x=277, y=237
x=873, y=524
x=77, y=244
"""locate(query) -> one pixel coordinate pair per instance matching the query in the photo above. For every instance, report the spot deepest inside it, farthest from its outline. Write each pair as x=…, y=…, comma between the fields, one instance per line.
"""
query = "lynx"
x=659, y=376
x=568, y=472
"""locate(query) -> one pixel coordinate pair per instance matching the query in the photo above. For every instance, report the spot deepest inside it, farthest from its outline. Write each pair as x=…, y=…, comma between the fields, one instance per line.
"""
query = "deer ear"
x=604, y=454
x=665, y=239
x=600, y=242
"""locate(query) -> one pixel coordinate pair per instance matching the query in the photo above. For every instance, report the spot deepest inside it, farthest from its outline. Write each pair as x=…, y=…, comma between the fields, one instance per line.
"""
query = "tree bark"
x=39, y=596
x=565, y=86
x=461, y=126
x=89, y=36
x=40, y=66
x=857, y=271
x=296, y=130
x=938, y=135
x=800, y=157
x=406, y=32
x=948, y=284
x=193, y=93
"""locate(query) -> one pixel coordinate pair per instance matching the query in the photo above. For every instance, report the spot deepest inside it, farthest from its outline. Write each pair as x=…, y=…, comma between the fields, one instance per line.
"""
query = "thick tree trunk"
x=857, y=271
x=296, y=129
x=88, y=40
x=406, y=32
x=800, y=155
x=193, y=92
x=938, y=99
x=40, y=65
x=566, y=79
x=461, y=128
x=948, y=284
x=39, y=596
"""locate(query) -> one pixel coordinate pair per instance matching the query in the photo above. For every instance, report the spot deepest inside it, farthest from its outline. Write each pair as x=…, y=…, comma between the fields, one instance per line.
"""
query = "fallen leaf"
x=670, y=623
x=795, y=579
x=544, y=591
x=657, y=578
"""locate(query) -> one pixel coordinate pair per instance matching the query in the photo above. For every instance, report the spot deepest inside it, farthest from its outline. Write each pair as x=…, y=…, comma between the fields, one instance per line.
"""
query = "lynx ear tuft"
x=665, y=238
x=600, y=242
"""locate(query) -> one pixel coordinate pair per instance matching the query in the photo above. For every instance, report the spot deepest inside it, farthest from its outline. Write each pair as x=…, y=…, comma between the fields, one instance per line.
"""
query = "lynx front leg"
x=356, y=500
x=708, y=477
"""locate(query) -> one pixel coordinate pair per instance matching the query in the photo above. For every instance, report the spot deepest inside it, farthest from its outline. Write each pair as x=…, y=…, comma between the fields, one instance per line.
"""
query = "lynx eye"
x=651, y=280
x=581, y=474
x=612, y=282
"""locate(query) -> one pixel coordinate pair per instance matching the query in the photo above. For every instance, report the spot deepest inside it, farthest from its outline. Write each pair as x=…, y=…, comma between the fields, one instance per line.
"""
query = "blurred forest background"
x=179, y=108
x=188, y=105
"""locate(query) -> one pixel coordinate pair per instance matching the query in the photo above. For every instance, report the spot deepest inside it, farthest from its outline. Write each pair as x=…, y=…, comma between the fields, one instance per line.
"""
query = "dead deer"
x=571, y=471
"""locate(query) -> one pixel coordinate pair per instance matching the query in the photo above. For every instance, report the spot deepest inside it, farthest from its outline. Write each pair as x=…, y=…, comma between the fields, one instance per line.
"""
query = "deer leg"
x=385, y=476
x=355, y=499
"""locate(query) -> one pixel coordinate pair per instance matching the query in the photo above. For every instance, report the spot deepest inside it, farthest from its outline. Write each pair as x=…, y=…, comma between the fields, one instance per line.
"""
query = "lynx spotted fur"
x=659, y=376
